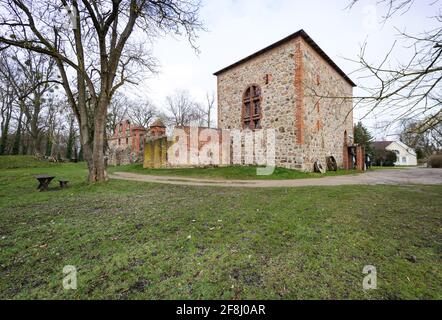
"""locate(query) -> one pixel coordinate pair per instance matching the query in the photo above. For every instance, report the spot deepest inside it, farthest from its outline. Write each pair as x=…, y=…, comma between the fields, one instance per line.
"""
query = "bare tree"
x=6, y=97
x=30, y=77
x=205, y=111
x=17, y=146
x=95, y=53
x=53, y=123
x=141, y=112
x=407, y=89
x=425, y=143
x=181, y=109
x=117, y=112
x=72, y=133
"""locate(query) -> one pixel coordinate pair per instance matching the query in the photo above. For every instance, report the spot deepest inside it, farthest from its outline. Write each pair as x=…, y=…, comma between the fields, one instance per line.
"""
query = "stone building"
x=126, y=145
x=406, y=156
x=280, y=87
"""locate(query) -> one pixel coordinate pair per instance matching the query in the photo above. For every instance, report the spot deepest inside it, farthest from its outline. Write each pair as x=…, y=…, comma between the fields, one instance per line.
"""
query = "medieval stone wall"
x=125, y=146
x=277, y=67
x=307, y=128
x=325, y=119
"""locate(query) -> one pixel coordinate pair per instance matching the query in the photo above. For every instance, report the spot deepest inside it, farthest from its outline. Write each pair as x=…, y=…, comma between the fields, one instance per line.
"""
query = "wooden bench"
x=63, y=183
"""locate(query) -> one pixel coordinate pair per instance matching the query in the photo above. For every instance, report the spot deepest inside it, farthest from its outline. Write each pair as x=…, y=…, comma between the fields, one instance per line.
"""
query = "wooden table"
x=44, y=181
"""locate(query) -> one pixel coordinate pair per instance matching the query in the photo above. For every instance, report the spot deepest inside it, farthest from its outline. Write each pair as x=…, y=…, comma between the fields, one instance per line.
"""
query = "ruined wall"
x=155, y=153
x=162, y=152
x=125, y=146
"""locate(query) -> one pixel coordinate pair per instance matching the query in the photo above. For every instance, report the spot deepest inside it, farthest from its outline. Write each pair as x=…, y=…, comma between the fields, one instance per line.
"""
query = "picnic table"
x=44, y=181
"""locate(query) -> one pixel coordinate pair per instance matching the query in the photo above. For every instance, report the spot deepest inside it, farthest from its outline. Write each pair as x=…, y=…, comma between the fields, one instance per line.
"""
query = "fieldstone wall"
x=273, y=72
x=325, y=119
x=121, y=156
x=125, y=146
x=307, y=128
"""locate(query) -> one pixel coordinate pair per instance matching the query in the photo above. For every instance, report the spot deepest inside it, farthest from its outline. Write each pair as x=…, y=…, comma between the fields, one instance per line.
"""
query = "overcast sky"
x=238, y=28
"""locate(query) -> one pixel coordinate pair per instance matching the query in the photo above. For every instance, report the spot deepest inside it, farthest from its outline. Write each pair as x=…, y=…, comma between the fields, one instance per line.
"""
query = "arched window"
x=251, y=110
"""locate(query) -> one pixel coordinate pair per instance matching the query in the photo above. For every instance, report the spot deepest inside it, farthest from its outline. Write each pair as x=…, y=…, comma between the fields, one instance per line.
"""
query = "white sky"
x=238, y=28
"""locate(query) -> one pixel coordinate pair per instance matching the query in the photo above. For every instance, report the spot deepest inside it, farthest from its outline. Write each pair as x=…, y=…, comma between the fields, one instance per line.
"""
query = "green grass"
x=11, y=162
x=229, y=173
x=130, y=240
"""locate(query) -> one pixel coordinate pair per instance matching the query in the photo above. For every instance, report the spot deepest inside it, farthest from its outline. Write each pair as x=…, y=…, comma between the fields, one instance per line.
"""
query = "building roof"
x=139, y=128
x=158, y=123
x=381, y=145
x=301, y=33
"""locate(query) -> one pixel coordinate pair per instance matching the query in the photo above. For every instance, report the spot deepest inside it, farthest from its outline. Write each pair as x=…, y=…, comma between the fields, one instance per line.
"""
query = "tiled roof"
x=381, y=145
x=306, y=37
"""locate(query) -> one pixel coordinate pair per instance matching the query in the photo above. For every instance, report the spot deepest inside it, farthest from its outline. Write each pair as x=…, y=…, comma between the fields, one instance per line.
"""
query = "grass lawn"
x=15, y=162
x=131, y=240
x=229, y=173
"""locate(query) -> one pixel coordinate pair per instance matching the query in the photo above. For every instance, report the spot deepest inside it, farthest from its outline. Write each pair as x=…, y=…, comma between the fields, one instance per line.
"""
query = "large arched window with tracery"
x=251, y=110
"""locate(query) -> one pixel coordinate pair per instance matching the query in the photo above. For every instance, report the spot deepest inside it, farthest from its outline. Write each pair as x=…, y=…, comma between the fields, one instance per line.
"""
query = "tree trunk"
x=94, y=152
x=48, y=144
x=35, y=145
x=6, y=118
x=17, y=140
x=97, y=168
x=71, y=140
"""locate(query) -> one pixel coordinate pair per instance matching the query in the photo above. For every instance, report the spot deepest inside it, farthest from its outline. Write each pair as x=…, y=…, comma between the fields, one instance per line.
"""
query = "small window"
x=141, y=141
x=119, y=142
x=267, y=79
x=252, y=109
x=127, y=141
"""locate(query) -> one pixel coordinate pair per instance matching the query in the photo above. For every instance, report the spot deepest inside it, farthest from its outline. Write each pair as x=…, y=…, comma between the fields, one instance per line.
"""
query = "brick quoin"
x=218, y=104
x=299, y=88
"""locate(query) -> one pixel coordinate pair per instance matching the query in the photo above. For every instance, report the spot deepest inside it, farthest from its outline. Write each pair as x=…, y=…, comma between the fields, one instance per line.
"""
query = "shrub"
x=385, y=158
x=435, y=161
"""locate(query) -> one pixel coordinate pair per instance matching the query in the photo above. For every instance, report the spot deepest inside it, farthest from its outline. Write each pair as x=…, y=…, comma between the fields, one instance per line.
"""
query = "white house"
x=406, y=156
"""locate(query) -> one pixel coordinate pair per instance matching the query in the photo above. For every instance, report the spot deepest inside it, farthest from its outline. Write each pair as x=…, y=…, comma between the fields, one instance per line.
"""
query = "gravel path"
x=404, y=176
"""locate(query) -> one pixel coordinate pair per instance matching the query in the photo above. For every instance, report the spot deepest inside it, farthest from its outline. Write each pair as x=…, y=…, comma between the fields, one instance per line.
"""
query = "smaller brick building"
x=126, y=145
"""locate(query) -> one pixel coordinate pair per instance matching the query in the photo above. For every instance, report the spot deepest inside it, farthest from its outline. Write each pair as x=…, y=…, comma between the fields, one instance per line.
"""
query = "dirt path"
x=388, y=177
